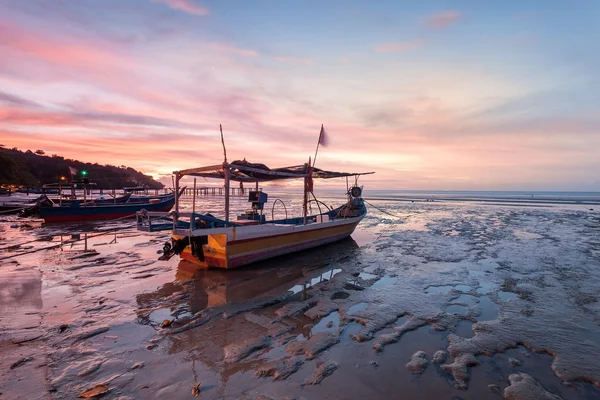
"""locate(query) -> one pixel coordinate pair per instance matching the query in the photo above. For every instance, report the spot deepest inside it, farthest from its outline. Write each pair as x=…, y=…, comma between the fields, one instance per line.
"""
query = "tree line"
x=32, y=169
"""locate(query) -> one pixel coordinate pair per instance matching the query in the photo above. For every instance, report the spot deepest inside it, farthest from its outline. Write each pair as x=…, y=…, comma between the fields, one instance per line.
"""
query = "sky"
x=439, y=95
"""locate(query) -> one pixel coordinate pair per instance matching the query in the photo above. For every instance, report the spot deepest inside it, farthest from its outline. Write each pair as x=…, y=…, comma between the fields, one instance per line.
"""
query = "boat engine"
x=175, y=246
x=356, y=192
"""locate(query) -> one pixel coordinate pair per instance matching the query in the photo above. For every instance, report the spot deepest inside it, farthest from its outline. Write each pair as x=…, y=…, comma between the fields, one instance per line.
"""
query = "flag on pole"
x=73, y=171
x=323, y=140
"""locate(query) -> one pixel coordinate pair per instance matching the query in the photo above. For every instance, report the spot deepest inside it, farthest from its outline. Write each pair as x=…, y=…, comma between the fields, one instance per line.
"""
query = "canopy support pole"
x=305, y=202
x=227, y=189
x=176, y=216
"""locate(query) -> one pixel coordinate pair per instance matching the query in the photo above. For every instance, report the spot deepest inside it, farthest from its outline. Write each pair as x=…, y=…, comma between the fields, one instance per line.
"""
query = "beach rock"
x=20, y=362
x=440, y=357
x=524, y=387
x=460, y=369
x=410, y=325
x=94, y=392
x=514, y=362
x=320, y=342
x=418, y=362
x=280, y=369
x=340, y=295
x=322, y=309
x=293, y=309
x=313, y=346
x=196, y=390
x=279, y=329
x=88, y=333
x=322, y=371
x=236, y=351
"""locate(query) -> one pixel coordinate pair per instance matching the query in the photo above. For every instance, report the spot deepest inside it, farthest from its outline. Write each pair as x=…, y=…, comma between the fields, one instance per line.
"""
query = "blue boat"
x=77, y=212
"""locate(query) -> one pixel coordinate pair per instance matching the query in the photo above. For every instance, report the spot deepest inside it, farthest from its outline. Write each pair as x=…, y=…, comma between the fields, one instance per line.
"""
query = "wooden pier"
x=214, y=191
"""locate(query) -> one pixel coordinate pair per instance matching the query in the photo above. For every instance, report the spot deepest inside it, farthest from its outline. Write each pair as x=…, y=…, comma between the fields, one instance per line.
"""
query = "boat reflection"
x=195, y=289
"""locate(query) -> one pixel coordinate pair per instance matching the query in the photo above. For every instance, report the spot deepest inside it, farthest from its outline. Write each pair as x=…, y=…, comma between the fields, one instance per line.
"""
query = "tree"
x=40, y=152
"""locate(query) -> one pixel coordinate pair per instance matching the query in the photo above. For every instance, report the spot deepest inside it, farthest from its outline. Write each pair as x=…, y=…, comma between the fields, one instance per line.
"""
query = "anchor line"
x=388, y=213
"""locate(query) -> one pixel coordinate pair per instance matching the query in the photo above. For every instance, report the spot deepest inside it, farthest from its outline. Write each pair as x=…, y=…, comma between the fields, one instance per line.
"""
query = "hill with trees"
x=30, y=169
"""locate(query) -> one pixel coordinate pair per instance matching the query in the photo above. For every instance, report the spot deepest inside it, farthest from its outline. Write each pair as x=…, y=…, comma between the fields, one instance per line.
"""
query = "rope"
x=11, y=211
x=388, y=213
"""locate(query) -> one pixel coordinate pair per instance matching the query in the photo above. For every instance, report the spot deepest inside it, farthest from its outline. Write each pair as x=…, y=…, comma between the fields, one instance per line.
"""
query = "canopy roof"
x=244, y=171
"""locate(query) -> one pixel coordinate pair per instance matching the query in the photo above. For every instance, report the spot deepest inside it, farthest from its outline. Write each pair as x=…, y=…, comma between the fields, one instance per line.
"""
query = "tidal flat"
x=445, y=300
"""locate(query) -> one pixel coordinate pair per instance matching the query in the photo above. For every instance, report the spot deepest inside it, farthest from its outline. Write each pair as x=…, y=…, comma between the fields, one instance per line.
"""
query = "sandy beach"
x=445, y=300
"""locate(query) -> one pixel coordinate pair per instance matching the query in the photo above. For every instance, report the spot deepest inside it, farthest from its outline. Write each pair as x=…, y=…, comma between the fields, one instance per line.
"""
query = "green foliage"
x=35, y=169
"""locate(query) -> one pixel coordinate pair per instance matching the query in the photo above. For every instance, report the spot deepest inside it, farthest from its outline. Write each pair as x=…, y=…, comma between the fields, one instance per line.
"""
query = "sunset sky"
x=456, y=95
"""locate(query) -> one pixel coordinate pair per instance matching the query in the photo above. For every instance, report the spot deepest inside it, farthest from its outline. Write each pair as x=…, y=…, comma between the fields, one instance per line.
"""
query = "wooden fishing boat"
x=15, y=205
x=222, y=243
x=76, y=211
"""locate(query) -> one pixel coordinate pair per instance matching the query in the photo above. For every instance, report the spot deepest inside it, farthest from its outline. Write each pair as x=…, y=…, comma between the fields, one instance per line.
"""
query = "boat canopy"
x=244, y=171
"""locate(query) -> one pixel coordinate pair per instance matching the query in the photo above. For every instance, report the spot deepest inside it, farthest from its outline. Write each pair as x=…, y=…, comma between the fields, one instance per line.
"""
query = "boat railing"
x=152, y=221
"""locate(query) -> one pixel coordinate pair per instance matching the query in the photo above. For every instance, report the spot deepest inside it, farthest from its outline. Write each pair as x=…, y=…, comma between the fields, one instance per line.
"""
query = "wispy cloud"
x=12, y=99
x=398, y=46
x=187, y=6
x=443, y=19
x=226, y=48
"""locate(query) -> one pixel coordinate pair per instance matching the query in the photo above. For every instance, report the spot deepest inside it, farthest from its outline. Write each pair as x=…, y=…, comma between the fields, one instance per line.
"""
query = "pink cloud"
x=187, y=6
x=226, y=48
x=398, y=46
x=61, y=52
x=295, y=60
x=443, y=19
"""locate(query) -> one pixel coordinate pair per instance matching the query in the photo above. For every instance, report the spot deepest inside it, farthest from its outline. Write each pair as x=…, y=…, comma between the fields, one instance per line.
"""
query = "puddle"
x=362, y=237
x=366, y=276
x=329, y=323
x=357, y=307
x=156, y=317
x=401, y=320
x=464, y=329
x=384, y=281
x=489, y=309
x=485, y=287
x=465, y=298
x=446, y=288
x=506, y=296
x=325, y=276
x=456, y=309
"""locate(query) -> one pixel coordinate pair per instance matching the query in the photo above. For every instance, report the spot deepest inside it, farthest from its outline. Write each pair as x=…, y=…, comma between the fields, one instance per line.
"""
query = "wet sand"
x=456, y=301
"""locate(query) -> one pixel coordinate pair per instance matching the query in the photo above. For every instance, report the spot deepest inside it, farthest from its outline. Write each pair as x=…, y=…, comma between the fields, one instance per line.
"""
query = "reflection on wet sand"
x=200, y=288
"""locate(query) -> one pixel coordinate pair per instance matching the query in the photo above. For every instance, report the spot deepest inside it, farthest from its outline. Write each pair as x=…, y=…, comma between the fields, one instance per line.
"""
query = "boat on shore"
x=17, y=204
x=76, y=211
x=222, y=243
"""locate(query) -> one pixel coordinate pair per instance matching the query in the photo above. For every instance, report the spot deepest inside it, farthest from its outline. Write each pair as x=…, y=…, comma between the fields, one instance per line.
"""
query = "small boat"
x=212, y=242
x=76, y=211
x=16, y=205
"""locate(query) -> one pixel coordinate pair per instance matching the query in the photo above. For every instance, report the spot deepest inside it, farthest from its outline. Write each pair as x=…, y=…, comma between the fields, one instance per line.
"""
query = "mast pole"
x=227, y=179
x=176, y=217
x=227, y=173
x=305, y=202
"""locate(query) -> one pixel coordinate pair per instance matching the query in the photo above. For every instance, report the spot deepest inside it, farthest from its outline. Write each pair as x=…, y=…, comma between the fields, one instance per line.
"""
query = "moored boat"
x=77, y=212
x=222, y=243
